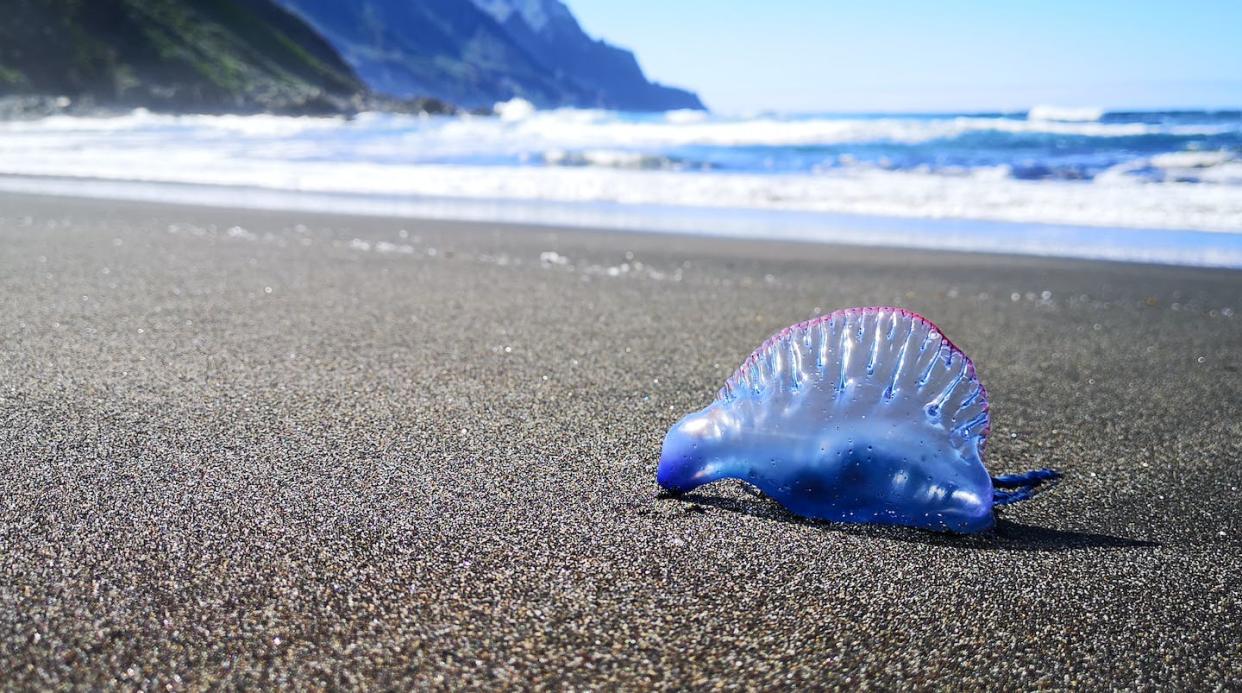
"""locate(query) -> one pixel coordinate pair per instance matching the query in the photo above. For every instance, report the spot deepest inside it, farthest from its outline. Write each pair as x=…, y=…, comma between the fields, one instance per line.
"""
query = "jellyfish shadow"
x=1007, y=535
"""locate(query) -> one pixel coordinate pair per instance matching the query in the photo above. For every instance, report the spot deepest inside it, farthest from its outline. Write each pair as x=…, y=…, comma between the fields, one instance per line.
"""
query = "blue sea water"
x=1055, y=144
x=938, y=179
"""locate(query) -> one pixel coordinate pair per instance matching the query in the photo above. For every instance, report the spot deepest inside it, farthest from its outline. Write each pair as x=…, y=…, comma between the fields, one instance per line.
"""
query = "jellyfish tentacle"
x=1014, y=488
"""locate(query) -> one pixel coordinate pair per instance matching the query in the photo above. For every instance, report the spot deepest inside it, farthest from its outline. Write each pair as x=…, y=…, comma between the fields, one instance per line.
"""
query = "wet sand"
x=293, y=449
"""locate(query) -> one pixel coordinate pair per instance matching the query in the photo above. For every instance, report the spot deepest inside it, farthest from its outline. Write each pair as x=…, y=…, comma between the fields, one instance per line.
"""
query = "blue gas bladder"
x=866, y=415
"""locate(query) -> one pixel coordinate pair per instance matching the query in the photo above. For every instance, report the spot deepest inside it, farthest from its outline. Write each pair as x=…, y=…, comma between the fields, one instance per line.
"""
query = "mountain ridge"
x=550, y=32
x=175, y=55
x=311, y=57
x=478, y=52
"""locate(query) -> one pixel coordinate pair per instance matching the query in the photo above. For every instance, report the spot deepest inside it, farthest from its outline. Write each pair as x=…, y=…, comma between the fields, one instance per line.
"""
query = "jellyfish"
x=865, y=415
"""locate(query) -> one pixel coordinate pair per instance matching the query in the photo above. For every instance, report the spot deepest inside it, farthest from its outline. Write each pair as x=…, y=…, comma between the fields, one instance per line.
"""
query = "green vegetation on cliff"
x=182, y=55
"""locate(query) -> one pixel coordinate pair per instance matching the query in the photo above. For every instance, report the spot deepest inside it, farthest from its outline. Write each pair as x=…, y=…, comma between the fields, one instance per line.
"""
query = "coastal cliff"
x=477, y=53
x=311, y=56
x=171, y=55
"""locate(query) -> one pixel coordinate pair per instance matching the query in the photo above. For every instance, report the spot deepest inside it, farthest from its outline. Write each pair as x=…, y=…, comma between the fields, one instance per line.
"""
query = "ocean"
x=1155, y=186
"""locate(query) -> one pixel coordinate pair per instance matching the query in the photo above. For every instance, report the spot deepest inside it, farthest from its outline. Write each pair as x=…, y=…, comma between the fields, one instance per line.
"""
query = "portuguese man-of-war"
x=865, y=415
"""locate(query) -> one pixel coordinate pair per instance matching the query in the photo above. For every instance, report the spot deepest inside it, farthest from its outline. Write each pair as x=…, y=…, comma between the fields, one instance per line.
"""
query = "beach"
x=297, y=449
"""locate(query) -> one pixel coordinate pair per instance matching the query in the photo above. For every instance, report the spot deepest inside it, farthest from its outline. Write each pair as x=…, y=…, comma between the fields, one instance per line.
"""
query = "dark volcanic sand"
x=279, y=455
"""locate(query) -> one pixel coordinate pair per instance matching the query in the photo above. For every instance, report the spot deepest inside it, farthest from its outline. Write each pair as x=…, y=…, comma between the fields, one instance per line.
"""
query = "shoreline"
x=256, y=447
x=1166, y=247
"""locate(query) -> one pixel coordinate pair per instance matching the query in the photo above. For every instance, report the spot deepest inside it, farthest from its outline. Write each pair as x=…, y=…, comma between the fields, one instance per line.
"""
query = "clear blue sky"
x=934, y=55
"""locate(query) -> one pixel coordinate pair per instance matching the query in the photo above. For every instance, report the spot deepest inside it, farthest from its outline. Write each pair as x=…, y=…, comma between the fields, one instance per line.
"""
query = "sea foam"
x=1141, y=172
x=1071, y=113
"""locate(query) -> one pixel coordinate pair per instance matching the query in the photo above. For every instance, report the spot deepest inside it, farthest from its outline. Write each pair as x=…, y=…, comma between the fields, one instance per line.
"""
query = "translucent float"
x=865, y=415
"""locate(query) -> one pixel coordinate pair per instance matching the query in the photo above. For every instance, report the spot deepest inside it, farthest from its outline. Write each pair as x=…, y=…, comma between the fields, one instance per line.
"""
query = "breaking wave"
x=1086, y=167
